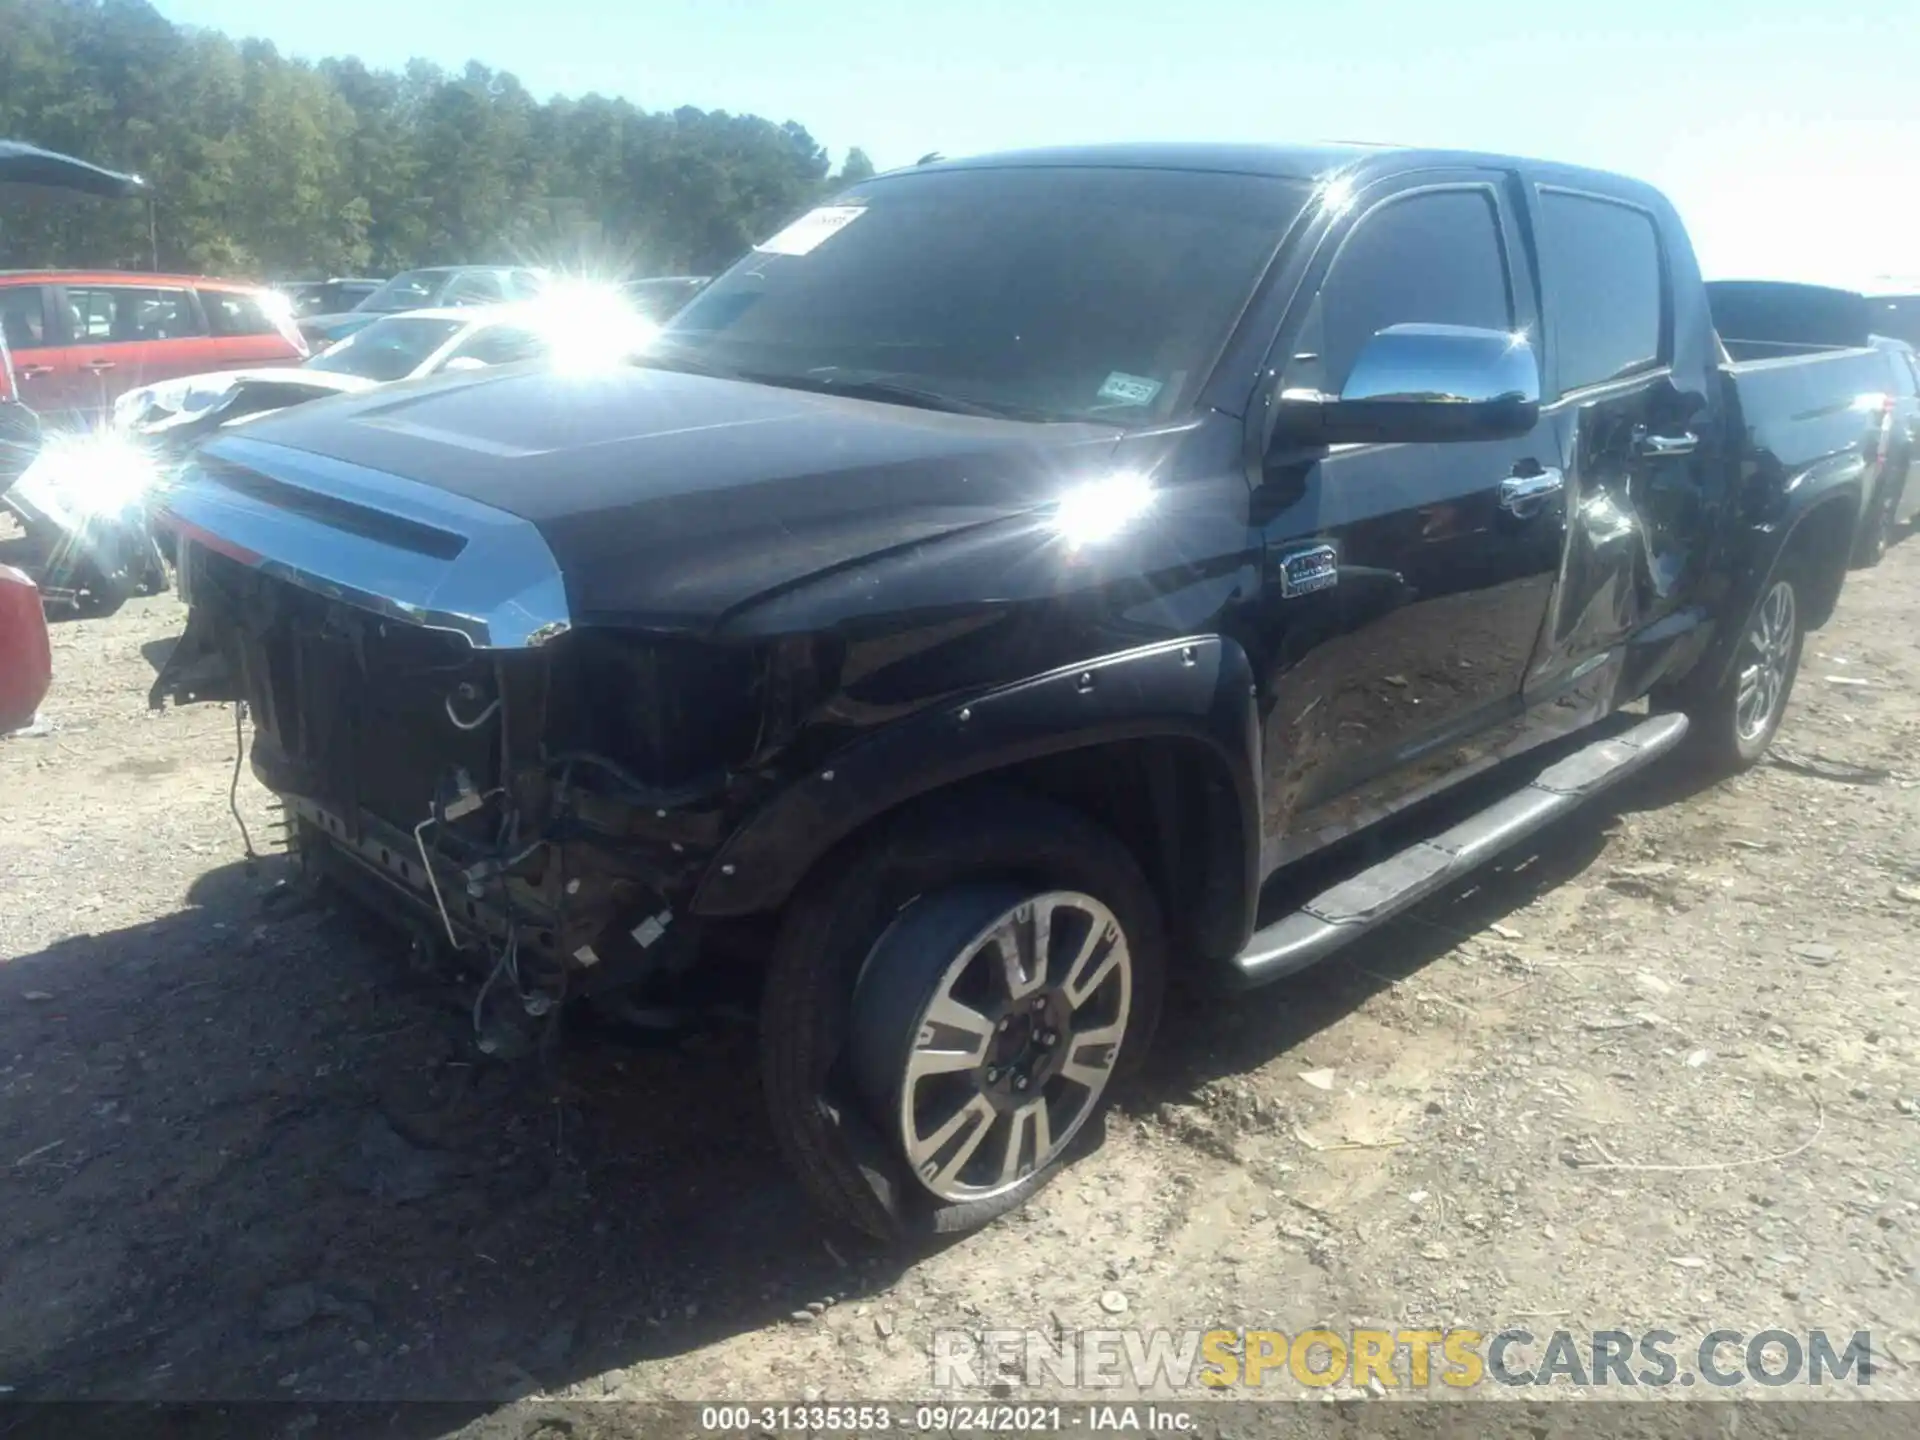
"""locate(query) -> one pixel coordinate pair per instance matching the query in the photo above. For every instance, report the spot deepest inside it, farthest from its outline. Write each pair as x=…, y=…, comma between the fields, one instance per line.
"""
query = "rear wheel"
x=1732, y=728
x=949, y=1009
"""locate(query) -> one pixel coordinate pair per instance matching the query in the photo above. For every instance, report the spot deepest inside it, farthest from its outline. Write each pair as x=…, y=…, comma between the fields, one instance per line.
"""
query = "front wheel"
x=1732, y=728
x=948, y=1011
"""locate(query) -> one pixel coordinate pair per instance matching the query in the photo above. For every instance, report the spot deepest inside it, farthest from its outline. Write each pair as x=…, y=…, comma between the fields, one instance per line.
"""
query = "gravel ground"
x=1659, y=1071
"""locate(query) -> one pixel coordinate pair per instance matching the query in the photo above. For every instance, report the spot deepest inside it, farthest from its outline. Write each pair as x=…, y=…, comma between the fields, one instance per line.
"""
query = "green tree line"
x=266, y=166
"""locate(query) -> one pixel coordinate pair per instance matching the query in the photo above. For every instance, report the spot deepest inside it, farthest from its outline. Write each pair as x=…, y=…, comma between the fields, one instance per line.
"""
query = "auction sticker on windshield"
x=1129, y=389
x=806, y=234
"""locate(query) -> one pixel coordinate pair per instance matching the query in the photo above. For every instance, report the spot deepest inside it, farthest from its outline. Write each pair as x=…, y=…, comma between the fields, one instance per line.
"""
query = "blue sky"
x=1788, y=133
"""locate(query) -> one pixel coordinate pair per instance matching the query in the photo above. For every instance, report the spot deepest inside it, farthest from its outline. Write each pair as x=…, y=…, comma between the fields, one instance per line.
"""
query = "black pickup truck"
x=989, y=592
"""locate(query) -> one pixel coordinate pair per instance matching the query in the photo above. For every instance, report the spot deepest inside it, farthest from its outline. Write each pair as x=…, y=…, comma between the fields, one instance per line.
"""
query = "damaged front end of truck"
x=538, y=796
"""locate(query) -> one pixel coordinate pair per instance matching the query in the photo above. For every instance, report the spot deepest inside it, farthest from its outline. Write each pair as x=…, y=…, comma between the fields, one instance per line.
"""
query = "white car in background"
x=408, y=346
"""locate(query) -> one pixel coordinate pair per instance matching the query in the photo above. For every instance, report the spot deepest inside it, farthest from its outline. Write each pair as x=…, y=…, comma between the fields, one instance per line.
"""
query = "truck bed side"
x=1804, y=424
x=1805, y=411
x=1803, y=432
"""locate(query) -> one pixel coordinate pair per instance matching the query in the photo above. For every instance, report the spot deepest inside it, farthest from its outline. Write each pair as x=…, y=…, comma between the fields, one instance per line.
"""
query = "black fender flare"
x=1198, y=689
x=1767, y=550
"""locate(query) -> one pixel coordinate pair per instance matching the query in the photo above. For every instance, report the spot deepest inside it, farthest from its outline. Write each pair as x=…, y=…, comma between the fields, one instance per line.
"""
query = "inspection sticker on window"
x=811, y=230
x=1129, y=389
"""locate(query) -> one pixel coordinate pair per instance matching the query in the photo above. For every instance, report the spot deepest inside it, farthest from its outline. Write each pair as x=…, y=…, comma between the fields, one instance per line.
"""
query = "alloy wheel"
x=1016, y=1046
x=1766, y=660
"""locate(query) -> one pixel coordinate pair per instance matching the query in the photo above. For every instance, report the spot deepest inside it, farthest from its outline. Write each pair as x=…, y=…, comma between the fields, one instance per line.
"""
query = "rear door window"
x=1433, y=257
x=158, y=315
x=1601, y=263
x=115, y=314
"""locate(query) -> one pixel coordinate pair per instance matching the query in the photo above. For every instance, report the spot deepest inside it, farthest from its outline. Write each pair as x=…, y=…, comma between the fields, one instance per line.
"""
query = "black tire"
x=935, y=867
x=101, y=599
x=1722, y=736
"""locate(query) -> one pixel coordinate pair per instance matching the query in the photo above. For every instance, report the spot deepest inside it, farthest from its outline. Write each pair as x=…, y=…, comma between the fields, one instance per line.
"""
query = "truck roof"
x=1315, y=161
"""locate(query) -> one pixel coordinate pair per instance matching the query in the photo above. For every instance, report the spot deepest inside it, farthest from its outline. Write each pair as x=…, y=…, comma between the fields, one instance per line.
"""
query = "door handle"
x=1523, y=495
x=1646, y=443
x=97, y=366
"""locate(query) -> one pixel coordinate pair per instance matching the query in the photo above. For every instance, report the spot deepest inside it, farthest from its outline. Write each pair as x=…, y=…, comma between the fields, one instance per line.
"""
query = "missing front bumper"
x=596, y=945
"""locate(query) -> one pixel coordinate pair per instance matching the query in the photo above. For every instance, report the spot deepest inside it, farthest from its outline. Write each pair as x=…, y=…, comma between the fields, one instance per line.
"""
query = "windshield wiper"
x=893, y=392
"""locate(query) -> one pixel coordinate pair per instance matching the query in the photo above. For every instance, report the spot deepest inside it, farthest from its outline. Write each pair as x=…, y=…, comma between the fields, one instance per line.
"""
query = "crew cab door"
x=1646, y=476
x=1405, y=673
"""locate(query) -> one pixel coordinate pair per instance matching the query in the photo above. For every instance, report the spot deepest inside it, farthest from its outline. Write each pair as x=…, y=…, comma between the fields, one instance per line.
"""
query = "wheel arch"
x=1819, y=546
x=1159, y=744
x=1817, y=540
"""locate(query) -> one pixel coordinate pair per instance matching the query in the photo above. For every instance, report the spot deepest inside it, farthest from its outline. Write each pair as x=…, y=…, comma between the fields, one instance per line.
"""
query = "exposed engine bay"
x=544, y=812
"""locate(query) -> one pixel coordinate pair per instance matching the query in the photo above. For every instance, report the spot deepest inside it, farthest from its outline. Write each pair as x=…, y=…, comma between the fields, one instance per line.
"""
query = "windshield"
x=409, y=290
x=387, y=349
x=1044, y=293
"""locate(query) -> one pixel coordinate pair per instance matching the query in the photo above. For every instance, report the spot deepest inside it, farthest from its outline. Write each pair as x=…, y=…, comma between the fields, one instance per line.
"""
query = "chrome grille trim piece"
x=503, y=590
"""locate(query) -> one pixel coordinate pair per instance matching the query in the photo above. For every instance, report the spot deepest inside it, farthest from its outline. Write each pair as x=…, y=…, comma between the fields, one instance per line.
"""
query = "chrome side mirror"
x=1414, y=383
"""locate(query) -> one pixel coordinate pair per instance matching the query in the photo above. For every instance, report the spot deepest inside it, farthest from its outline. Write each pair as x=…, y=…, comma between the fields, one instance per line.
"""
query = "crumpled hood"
x=669, y=499
x=193, y=394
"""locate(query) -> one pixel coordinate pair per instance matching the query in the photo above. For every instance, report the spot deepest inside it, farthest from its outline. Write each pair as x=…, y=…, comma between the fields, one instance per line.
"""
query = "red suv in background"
x=78, y=339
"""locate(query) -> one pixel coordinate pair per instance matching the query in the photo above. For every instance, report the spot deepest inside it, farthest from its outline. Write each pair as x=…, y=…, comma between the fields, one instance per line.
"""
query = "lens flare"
x=1098, y=510
x=589, y=325
x=95, y=475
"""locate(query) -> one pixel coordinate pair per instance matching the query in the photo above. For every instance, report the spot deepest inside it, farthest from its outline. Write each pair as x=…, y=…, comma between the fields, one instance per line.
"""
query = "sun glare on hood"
x=1098, y=510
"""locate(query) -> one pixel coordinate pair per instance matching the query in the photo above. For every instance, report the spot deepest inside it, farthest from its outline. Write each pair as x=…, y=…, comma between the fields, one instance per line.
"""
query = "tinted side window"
x=112, y=314
x=1601, y=262
x=23, y=319
x=1431, y=259
x=230, y=313
x=156, y=315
